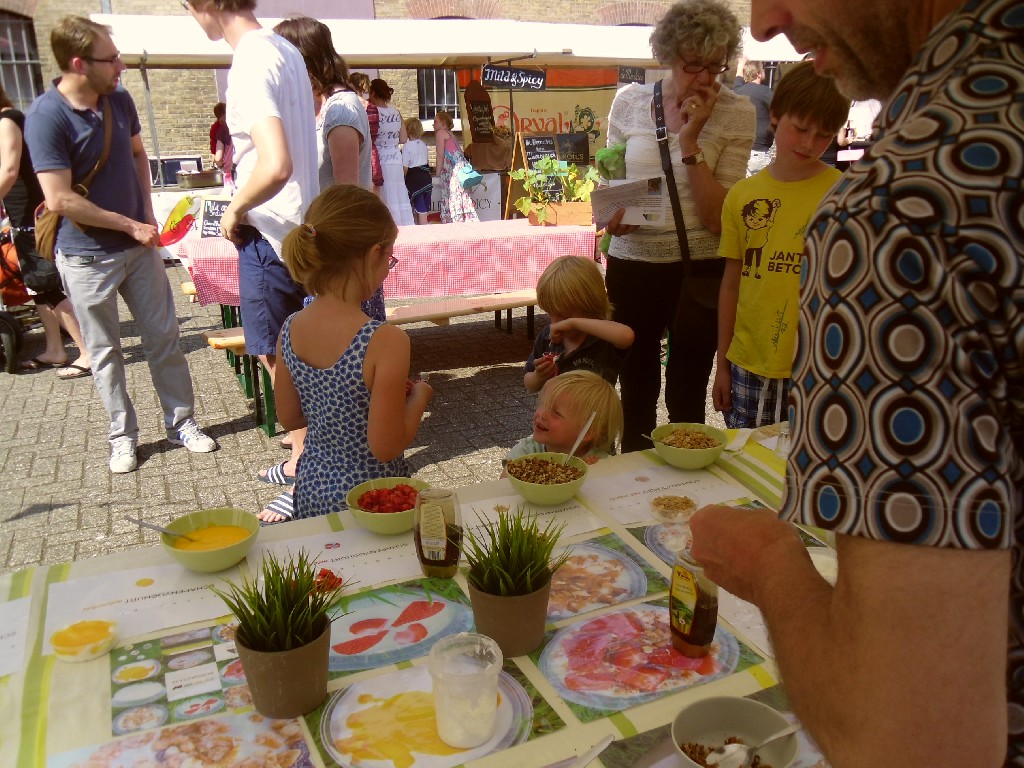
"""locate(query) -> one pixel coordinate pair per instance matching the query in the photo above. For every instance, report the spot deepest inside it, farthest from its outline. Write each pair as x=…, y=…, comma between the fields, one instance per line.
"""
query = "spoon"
x=168, y=531
x=740, y=755
x=579, y=438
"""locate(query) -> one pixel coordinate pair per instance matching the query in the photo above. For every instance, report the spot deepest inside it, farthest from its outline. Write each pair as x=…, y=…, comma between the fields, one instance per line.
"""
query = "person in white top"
x=390, y=134
x=271, y=117
x=418, y=179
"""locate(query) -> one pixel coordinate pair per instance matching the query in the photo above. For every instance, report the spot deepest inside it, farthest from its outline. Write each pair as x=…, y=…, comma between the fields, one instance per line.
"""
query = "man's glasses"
x=109, y=60
x=696, y=67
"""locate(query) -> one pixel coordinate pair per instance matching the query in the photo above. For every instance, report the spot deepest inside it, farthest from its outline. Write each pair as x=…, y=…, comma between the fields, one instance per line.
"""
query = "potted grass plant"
x=510, y=569
x=284, y=633
x=556, y=192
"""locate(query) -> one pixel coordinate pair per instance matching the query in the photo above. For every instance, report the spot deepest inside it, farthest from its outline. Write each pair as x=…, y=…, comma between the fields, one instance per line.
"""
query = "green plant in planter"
x=512, y=556
x=287, y=607
x=572, y=185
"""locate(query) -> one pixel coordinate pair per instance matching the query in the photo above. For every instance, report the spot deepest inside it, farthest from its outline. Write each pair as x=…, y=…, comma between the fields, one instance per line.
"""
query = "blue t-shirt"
x=60, y=137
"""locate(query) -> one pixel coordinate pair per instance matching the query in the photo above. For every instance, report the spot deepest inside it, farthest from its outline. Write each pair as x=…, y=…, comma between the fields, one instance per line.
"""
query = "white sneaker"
x=192, y=437
x=122, y=457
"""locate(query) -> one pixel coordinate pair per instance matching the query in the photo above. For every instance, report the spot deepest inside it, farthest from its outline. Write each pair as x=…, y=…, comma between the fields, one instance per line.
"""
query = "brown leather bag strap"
x=108, y=132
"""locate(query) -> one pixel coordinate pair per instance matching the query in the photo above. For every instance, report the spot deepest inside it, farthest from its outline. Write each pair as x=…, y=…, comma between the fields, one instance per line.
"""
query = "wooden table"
x=179, y=687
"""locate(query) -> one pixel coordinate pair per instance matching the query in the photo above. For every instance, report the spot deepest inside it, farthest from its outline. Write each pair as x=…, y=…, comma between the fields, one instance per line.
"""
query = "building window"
x=437, y=90
x=21, y=72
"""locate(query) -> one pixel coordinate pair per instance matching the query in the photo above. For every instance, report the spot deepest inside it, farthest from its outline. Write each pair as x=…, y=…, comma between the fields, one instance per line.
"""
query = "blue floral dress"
x=336, y=404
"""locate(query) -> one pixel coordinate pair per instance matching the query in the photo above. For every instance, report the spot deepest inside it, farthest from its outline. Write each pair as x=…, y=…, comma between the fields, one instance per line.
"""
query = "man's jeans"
x=93, y=283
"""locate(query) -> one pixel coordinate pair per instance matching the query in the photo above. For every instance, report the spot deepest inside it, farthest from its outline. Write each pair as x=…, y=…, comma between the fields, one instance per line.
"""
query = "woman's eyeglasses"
x=696, y=67
x=391, y=263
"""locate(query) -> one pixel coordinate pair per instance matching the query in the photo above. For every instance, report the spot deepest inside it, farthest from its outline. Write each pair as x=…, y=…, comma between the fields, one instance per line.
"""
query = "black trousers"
x=645, y=296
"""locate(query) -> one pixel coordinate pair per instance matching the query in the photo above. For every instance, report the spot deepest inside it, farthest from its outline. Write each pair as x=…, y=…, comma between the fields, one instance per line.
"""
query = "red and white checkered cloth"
x=433, y=260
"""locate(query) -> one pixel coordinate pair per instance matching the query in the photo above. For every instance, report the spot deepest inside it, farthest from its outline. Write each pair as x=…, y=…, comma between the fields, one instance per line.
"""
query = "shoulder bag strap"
x=108, y=132
x=661, y=133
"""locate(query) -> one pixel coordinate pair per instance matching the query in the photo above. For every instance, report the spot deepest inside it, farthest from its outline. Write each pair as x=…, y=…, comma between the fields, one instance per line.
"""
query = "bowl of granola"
x=687, y=445
x=705, y=724
x=543, y=479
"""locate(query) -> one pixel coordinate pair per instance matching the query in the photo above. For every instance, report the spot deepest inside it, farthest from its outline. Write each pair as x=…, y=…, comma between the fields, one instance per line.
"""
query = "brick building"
x=182, y=100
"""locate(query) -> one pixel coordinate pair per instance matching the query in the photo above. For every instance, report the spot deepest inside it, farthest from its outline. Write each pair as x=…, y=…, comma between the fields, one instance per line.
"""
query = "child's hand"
x=545, y=367
x=561, y=327
x=591, y=459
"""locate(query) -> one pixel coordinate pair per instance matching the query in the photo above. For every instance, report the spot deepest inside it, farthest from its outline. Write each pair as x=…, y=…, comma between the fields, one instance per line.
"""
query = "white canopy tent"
x=177, y=42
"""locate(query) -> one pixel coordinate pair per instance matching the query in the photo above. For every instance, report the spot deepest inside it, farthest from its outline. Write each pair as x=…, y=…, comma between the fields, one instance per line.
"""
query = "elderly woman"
x=710, y=132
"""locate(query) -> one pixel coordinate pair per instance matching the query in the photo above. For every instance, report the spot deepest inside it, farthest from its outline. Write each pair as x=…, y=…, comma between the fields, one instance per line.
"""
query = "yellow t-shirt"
x=763, y=226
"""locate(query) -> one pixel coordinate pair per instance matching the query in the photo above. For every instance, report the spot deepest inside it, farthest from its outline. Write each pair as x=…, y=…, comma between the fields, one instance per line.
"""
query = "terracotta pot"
x=566, y=213
x=516, y=623
x=287, y=683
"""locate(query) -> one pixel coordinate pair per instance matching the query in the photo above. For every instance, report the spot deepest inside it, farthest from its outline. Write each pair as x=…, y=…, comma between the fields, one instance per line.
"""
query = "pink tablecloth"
x=434, y=260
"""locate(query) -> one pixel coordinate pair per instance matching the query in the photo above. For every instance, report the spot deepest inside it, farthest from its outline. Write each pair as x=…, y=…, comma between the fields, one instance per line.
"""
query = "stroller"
x=16, y=311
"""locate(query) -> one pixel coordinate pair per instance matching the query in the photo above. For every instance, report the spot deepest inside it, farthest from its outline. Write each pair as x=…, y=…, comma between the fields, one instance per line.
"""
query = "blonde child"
x=764, y=221
x=564, y=405
x=343, y=376
x=580, y=336
x=418, y=179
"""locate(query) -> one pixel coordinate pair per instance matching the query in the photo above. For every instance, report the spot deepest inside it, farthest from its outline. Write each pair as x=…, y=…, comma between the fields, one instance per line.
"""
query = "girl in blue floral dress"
x=344, y=376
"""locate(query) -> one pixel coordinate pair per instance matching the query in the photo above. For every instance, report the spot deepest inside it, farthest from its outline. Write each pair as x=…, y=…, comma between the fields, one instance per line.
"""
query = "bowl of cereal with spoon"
x=543, y=478
x=689, y=446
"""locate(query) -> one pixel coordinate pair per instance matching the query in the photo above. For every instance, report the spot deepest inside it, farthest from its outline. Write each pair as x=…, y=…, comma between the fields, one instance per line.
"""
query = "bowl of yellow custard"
x=84, y=640
x=220, y=537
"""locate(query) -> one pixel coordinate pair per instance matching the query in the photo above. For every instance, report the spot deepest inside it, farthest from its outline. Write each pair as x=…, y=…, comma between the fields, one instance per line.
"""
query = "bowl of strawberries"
x=385, y=505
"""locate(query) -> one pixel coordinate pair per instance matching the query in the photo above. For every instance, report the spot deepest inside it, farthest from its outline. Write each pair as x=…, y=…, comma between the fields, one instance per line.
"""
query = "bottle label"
x=433, y=532
x=683, y=601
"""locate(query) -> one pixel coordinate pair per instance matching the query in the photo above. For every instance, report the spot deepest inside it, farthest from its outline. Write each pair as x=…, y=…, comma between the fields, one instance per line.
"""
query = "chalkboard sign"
x=514, y=78
x=213, y=210
x=481, y=116
x=632, y=75
x=574, y=148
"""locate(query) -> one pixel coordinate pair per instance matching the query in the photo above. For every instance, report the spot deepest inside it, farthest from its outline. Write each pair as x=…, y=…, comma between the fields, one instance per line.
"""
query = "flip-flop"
x=35, y=364
x=79, y=371
x=283, y=505
x=276, y=475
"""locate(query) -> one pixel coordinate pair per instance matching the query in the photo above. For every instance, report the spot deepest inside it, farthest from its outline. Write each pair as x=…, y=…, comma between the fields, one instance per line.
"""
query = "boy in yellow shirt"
x=764, y=220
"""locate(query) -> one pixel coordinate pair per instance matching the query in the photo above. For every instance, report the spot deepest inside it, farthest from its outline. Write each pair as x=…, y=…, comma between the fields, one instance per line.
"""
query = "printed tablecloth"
x=434, y=260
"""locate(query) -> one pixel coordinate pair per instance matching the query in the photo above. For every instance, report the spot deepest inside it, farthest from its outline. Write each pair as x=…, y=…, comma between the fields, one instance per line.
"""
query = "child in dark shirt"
x=580, y=335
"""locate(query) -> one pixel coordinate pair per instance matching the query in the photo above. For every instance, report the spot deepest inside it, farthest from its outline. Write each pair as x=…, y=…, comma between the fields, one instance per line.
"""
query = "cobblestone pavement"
x=59, y=502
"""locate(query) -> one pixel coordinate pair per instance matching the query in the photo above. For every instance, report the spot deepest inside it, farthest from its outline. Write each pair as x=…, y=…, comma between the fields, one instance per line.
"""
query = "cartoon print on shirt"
x=758, y=217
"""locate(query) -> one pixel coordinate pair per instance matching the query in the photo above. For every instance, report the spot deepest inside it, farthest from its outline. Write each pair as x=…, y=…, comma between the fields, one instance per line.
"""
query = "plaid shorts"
x=747, y=390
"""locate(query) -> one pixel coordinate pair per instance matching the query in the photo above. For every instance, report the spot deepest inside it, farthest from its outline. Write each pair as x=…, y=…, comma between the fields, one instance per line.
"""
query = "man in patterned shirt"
x=907, y=409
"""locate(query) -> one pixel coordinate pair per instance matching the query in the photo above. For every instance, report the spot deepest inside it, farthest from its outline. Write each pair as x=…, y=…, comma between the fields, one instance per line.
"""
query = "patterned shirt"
x=908, y=396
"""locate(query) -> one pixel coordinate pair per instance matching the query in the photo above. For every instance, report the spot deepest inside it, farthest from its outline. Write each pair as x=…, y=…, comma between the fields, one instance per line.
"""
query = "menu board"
x=573, y=148
x=479, y=113
x=213, y=210
x=632, y=75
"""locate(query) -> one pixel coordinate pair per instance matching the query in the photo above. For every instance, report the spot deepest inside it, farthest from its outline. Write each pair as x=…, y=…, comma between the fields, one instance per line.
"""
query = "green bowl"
x=544, y=494
x=387, y=523
x=712, y=720
x=689, y=458
x=212, y=560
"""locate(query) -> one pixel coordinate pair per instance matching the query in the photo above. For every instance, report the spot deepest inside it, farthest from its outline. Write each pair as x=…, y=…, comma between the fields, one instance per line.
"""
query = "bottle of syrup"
x=437, y=532
x=692, y=607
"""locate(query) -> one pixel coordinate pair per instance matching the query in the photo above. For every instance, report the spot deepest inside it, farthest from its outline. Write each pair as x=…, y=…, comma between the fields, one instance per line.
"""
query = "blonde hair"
x=572, y=286
x=444, y=118
x=586, y=392
x=342, y=225
x=414, y=128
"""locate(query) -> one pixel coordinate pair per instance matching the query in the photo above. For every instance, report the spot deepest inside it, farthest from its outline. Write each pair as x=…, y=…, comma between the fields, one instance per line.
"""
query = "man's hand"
x=230, y=224
x=145, y=234
x=736, y=546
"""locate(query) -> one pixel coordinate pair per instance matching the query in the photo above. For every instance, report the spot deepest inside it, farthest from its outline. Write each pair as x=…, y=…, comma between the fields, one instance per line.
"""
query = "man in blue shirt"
x=751, y=85
x=106, y=242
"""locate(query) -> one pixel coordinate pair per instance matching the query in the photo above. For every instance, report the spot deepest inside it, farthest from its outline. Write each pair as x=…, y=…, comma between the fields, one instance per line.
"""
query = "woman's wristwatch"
x=693, y=158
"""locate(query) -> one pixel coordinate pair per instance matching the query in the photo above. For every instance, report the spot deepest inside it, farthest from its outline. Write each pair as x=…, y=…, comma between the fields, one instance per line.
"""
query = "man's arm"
x=272, y=171
x=10, y=155
x=63, y=200
x=902, y=664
